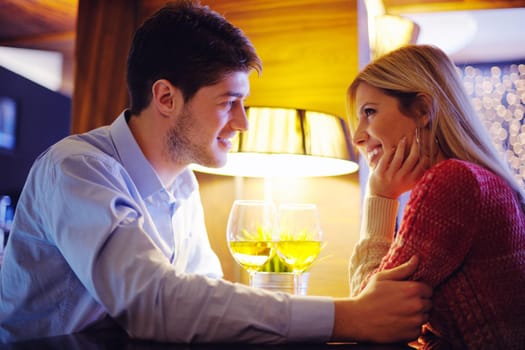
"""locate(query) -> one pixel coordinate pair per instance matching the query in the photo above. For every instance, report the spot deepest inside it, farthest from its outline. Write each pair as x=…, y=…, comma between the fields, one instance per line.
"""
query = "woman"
x=412, y=120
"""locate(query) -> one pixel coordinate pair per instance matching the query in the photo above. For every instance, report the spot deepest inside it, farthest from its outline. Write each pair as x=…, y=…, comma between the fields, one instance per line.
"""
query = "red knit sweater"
x=468, y=229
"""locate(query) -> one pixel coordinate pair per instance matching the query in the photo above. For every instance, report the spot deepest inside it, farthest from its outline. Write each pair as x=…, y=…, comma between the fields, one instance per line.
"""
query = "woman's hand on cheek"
x=396, y=172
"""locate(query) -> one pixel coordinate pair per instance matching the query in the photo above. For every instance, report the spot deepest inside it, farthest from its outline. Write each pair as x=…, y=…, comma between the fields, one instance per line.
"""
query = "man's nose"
x=239, y=120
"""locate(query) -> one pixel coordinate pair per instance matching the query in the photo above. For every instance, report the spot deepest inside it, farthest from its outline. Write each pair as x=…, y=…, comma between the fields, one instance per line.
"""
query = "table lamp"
x=289, y=142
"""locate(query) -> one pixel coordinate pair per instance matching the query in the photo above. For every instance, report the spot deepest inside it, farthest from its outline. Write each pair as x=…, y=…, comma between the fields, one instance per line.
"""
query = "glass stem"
x=297, y=283
x=250, y=278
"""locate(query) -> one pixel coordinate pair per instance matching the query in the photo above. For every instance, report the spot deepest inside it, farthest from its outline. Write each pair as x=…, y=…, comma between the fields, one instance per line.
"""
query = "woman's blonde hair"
x=424, y=70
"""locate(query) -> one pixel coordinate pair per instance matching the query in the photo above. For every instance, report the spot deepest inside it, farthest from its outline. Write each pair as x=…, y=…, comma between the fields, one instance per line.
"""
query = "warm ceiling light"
x=392, y=32
x=388, y=32
x=374, y=9
x=289, y=142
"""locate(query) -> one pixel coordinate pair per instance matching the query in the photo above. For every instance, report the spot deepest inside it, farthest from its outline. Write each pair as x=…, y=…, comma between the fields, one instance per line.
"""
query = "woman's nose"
x=360, y=135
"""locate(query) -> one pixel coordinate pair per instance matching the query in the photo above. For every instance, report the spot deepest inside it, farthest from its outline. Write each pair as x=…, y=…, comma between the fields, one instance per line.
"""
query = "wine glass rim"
x=298, y=205
x=252, y=201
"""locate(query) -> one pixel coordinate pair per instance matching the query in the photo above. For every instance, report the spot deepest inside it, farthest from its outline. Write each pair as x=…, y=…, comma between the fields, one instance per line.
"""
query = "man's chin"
x=217, y=163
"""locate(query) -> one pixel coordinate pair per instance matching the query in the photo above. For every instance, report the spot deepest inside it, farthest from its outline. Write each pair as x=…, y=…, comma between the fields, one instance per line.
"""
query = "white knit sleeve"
x=378, y=225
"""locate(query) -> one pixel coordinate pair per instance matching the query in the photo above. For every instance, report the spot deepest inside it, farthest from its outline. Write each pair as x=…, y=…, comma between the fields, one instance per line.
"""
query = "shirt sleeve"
x=438, y=225
x=97, y=226
x=376, y=234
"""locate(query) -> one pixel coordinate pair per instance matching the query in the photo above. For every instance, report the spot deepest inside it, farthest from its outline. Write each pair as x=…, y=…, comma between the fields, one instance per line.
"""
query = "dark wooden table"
x=116, y=340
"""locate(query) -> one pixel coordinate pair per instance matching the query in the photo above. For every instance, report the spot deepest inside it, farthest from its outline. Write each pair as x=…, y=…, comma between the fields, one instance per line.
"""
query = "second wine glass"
x=299, y=237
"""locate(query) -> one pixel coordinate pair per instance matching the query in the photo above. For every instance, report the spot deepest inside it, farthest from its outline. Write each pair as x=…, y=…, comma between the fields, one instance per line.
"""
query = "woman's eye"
x=368, y=112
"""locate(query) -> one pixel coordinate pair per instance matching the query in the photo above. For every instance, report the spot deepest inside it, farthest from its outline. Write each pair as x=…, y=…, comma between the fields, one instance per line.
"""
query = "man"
x=109, y=229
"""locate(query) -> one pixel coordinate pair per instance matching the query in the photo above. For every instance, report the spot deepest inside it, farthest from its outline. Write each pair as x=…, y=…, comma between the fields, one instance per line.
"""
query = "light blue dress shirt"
x=97, y=237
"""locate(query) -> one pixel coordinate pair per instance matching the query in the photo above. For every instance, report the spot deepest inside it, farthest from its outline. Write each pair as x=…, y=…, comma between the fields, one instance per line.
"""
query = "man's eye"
x=229, y=104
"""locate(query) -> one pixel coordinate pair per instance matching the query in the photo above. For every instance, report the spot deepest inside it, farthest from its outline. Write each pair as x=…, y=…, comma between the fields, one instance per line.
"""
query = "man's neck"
x=150, y=137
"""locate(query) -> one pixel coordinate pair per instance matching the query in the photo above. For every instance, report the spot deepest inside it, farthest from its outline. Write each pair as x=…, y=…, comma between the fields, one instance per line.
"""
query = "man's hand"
x=389, y=309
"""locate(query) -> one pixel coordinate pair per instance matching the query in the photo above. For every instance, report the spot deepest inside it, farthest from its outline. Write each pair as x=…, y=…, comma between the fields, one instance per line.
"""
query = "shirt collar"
x=140, y=169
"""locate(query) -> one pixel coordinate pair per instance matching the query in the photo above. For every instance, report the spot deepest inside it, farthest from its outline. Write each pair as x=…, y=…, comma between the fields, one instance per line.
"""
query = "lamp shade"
x=289, y=142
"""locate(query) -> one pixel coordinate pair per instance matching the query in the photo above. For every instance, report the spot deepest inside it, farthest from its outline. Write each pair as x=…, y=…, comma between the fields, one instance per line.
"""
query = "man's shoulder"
x=95, y=144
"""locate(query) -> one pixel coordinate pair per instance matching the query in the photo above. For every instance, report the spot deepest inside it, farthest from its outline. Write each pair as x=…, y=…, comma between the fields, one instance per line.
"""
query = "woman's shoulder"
x=460, y=176
x=456, y=168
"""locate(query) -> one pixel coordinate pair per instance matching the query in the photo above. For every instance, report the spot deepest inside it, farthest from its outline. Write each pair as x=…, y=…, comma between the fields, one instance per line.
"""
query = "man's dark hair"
x=189, y=45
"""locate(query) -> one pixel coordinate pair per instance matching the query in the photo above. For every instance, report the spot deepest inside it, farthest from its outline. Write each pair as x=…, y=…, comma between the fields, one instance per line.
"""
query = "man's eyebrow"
x=233, y=94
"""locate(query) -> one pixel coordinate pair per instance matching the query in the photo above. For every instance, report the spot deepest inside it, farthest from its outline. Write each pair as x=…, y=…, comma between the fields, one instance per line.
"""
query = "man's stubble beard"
x=180, y=145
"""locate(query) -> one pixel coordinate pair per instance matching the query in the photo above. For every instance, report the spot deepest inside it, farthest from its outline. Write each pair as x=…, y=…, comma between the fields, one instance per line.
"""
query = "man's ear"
x=424, y=108
x=166, y=97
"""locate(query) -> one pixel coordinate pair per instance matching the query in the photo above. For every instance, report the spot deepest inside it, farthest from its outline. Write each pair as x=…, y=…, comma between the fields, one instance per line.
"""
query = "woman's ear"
x=424, y=108
x=165, y=97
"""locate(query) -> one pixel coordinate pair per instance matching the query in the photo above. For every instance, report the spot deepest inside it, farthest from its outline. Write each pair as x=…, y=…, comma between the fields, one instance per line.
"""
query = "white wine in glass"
x=299, y=237
x=251, y=225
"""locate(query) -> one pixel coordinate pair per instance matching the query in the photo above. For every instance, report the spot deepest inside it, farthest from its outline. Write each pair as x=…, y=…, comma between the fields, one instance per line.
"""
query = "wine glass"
x=249, y=233
x=299, y=237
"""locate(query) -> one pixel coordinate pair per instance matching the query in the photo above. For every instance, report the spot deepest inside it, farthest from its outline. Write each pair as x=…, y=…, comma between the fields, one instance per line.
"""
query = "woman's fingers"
x=413, y=156
x=398, y=159
x=383, y=165
x=398, y=170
